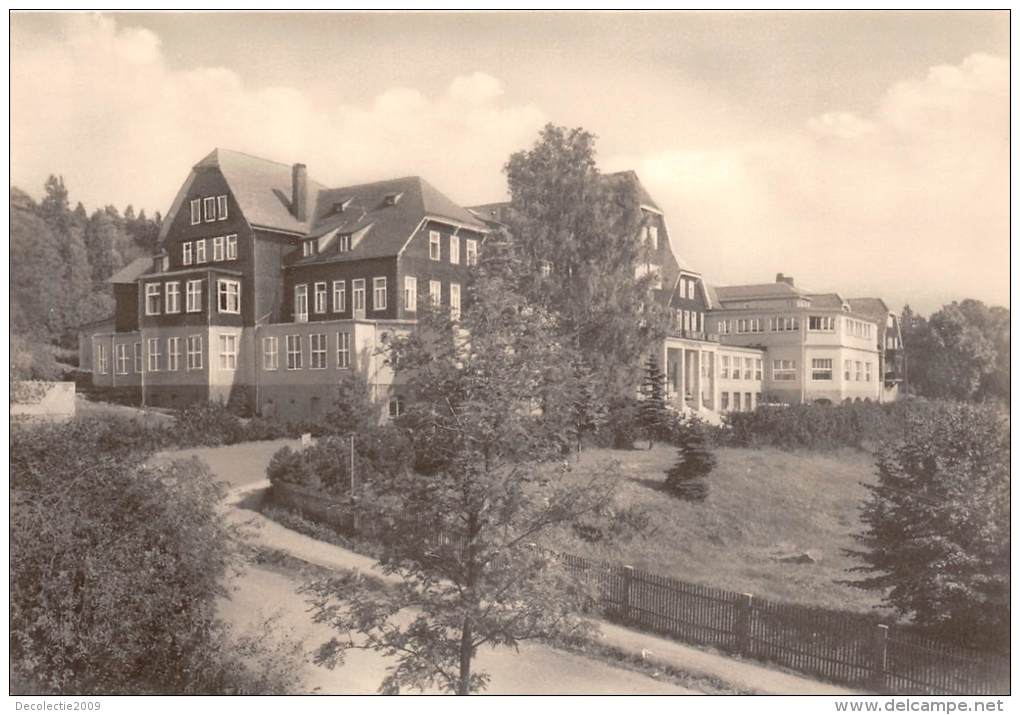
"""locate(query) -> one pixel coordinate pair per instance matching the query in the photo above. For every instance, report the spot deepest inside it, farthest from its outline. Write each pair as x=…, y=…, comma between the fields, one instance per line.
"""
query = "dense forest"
x=60, y=258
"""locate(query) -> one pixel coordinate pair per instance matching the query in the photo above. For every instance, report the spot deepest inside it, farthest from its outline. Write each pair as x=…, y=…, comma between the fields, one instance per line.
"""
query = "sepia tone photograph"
x=510, y=353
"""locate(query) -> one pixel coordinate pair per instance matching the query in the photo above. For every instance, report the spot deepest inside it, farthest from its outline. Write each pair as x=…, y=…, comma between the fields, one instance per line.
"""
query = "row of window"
x=858, y=328
x=687, y=288
x=643, y=269
x=853, y=368
x=125, y=361
x=724, y=401
x=821, y=369
x=751, y=366
x=320, y=296
x=787, y=323
x=690, y=320
x=209, y=209
x=470, y=249
x=295, y=355
x=224, y=248
x=168, y=298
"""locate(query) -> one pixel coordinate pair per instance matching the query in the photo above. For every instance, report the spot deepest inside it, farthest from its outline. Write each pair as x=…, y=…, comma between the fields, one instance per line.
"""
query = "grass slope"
x=762, y=503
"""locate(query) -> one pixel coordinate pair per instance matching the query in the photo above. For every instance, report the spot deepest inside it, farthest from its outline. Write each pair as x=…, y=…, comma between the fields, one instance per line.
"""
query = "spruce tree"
x=695, y=461
x=653, y=407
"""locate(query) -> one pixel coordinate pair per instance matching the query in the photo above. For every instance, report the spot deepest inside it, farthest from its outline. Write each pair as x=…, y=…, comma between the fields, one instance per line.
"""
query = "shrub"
x=207, y=424
x=623, y=426
x=353, y=408
x=695, y=461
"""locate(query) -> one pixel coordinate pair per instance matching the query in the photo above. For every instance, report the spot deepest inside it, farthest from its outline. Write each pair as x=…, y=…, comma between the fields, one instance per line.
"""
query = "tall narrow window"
x=196, y=211
x=122, y=359
x=173, y=353
x=138, y=357
x=435, y=293
x=757, y=368
x=270, y=353
x=748, y=368
x=232, y=247
x=653, y=237
x=379, y=294
x=154, y=354
x=217, y=248
x=317, y=344
x=358, y=296
x=343, y=350
x=867, y=372
x=410, y=294
x=320, y=297
x=221, y=208
x=847, y=369
x=228, y=352
x=455, y=301
x=194, y=352
x=172, y=295
x=294, y=361
x=101, y=357
x=200, y=251
x=724, y=370
x=455, y=249
x=339, y=296
x=209, y=204
x=857, y=370
x=301, y=303
x=471, y=252
x=434, y=245
x=152, y=298
x=228, y=296
x=193, y=299
x=690, y=290
x=186, y=253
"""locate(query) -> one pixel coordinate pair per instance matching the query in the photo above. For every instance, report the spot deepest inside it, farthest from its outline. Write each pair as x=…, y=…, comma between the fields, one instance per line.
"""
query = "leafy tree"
x=695, y=461
x=938, y=525
x=459, y=535
x=353, y=410
x=34, y=252
x=654, y=418
x=117, y=565
x=588, y=410
x=577, y=239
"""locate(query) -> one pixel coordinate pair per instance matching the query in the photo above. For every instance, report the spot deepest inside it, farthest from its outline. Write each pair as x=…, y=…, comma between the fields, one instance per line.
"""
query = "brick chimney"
x=780, y=278
x=299, y=192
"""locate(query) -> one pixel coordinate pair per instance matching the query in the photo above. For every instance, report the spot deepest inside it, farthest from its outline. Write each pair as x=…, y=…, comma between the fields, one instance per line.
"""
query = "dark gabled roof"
x=388, y=226
x=130, y=272
x=757, y=291
x=872, y=307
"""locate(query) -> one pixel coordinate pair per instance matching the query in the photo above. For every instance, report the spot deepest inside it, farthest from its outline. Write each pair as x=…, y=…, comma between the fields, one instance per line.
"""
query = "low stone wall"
x=43, y=400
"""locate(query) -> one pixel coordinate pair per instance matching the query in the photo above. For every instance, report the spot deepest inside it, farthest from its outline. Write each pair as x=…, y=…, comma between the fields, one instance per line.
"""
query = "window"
x=736, y=401
x=221, y=208
x=138, y=357
x=173, y=353
x=757, y=368
x=101, y=365
x=270, y=353
x=200, y=251
x=186, y=253
x=232, y=247
x=434, y=245
x=293, y=352
x=454, y=249
x=152, y=298
x=194, y=345
x=317, y=343
x=471, y=252
x=358, y=295
x=435, y=293
x=723, y=327
x=747, y=402
x=196, y=211
x=455, y=301
x=822, y=323
x=301, y=303
x=784, y=370
x=783, y=323
x=847, y=367
x=821, y=369
x=217, y=248
x=685, y=320
x=320, y=297
x=690, y=290
x=396, y=406
x=378, y=294
x=209, y=205
x=343, y=243
x=857, y=371
x=724, y=372
x=652, y=237
x=229, y=295
x=339, y=296
x=748, y=368
x=544, y=269
x=867, y=372
x=724, y=401
x=193, y=297
x=172, y=291
x=154, y=355
x=307, y=248
x=410, y=294
x=122, y=359
x=228, y=352
x=343, y=350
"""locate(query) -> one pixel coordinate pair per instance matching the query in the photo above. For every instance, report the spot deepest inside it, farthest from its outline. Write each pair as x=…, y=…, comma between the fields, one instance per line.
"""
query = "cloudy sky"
x=866, y=153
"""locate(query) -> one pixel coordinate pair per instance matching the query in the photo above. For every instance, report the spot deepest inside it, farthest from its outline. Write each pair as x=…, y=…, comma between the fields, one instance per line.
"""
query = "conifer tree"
x=653, y=407
x=695, y=461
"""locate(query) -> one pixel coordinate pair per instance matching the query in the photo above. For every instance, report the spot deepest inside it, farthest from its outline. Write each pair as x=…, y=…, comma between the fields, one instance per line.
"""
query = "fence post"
x=879, y=656
x=628, y=578
x=742, y=624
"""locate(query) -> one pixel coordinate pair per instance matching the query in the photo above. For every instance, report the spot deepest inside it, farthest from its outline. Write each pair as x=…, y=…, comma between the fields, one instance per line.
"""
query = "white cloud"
x=911, y=201
x=100, y=104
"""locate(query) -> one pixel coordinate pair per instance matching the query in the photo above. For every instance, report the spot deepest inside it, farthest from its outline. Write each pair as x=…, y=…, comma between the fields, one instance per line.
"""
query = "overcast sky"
x=866, y=153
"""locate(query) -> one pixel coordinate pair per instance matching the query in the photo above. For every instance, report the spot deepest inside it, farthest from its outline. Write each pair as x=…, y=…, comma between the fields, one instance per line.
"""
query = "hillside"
x=763, y=503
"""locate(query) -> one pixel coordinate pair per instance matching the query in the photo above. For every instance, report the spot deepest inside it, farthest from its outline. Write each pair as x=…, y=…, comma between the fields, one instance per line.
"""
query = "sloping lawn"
x=762, y=503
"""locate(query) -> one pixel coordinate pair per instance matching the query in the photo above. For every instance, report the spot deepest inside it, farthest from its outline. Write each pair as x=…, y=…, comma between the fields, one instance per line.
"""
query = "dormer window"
x=391, y=199
x=343, y=242
x=340, y=206
x=308, y=248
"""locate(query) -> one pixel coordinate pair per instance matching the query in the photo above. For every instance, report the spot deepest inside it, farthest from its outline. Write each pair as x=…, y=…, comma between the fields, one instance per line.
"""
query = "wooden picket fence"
x=841, y=647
